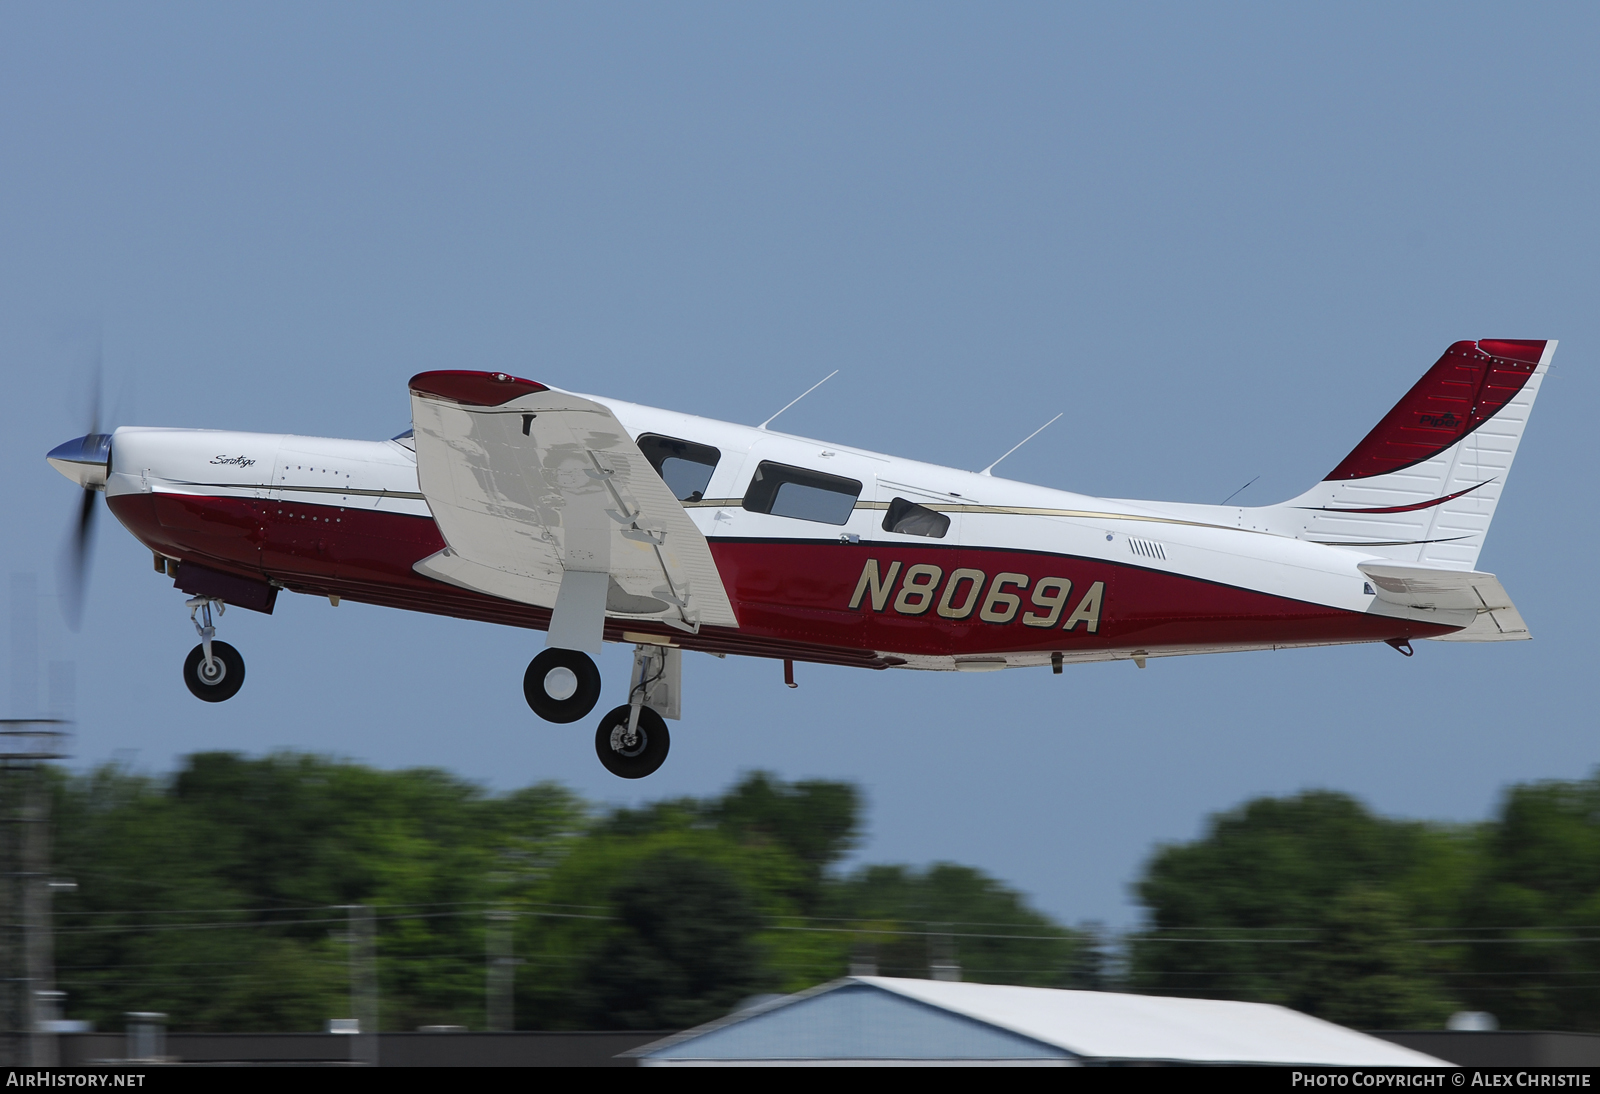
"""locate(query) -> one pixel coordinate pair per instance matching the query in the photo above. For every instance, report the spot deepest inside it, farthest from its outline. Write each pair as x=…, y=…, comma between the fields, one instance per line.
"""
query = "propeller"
x=86, y=461
x=74, y=578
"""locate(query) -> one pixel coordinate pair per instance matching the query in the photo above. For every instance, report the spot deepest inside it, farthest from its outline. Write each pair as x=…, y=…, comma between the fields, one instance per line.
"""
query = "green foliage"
x=1536, y=964
x=909, y=920
x=216, y=896
x=1315, y=903
x=1308, y=902
x=213, y=896
x=682, y=950
x=1368, y=969
x=816, y=822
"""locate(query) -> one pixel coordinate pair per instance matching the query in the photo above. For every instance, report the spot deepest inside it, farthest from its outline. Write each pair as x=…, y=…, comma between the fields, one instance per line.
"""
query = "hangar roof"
x=889, y=1018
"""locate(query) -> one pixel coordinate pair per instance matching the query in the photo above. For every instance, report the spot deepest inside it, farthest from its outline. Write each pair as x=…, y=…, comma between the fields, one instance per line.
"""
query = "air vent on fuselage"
x=1147, y=548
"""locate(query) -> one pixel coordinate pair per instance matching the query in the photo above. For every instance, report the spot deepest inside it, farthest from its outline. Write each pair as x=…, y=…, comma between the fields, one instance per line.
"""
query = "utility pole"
x=943, y=962
x=27, y=953
x=363, y=985
x=500, y=971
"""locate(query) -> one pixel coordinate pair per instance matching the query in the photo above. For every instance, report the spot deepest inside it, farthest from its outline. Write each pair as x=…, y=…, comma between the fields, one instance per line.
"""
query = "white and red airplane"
x=598, y=520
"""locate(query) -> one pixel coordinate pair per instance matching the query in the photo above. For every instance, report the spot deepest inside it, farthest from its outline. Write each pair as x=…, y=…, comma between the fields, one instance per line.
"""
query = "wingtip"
x=471, y=388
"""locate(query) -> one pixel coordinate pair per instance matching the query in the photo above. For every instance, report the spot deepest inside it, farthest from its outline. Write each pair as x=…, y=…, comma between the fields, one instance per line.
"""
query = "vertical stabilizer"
x=1422, y=487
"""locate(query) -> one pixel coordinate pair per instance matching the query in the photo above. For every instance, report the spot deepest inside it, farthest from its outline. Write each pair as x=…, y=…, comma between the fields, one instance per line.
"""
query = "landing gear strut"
x=632, y=740
x=213, y=671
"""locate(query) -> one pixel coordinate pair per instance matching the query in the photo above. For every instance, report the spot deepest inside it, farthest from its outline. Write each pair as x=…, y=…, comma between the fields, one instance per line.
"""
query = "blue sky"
x=1221, y=238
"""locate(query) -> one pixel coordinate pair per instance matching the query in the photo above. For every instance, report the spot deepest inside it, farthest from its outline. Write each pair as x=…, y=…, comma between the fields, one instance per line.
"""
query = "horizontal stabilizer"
x=1475, y=602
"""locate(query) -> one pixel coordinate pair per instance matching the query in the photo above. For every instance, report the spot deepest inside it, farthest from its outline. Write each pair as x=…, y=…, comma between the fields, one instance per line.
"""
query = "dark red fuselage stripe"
x=792, y=597
x=1400, y=508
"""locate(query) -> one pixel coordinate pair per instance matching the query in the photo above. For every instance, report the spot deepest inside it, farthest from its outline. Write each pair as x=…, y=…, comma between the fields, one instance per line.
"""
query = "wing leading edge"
x=544, y=499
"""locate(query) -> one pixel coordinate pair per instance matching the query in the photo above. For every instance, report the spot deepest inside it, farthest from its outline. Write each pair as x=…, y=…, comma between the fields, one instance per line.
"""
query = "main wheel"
x=638, y=758
x=561, y=685
x=222, y=680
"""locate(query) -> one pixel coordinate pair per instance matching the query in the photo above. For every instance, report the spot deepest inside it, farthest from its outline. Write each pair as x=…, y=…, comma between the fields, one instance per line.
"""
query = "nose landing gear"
x=213, y=671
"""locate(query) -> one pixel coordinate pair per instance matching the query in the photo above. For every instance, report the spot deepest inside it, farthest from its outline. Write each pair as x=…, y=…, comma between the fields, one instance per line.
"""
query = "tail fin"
x=1423, y=485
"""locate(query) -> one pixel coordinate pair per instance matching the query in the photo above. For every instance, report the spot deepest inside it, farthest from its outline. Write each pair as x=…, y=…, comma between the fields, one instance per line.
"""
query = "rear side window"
x=683, y=465
x=910, y=519
x=787, y=491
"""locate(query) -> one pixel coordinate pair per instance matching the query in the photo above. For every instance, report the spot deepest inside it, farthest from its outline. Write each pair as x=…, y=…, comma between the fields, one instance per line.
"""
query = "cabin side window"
x=786, y=491
x=683, y=465
x=910, y=519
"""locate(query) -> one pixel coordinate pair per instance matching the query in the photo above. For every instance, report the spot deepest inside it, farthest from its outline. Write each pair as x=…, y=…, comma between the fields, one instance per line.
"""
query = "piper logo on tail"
x=1446, y=420
x=925, y=588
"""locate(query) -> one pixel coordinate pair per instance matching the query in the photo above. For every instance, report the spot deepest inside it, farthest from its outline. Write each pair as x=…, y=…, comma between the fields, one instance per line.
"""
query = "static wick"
x=1022, y=442
x=797, y=398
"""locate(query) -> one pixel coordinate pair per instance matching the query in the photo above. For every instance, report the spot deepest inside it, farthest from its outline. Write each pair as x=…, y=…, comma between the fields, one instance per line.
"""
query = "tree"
x=683, y=950
x=816, y=822
x=1282, y=899
x=1536, y=965
x=216, y=895
x=242, y=863
x=1368, y=970
x=908, y=920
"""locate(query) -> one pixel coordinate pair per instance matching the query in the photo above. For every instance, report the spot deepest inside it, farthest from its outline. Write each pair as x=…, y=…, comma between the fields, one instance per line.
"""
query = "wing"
x=1475, y=602
x=531, y=485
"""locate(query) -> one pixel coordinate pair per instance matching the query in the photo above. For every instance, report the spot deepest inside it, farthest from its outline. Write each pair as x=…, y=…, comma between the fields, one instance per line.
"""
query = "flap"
x=527, y=482
x=1475, y=602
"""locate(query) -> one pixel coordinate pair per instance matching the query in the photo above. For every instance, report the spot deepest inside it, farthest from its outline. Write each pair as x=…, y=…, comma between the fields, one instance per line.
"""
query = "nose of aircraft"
x=85, y=460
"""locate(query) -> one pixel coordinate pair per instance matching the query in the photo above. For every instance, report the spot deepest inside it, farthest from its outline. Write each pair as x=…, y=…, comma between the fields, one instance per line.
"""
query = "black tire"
x=569, y=708
x=648, y=752
x=224, y=657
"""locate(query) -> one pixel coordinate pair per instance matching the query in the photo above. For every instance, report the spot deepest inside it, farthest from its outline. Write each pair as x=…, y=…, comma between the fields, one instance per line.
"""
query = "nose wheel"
x=213, y=671
x=216, y=680
x=561, y=685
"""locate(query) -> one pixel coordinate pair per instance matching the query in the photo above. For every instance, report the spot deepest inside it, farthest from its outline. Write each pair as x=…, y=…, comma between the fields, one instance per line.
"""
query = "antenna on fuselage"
x=1022, y=442
x=802, y=395
x=1239, y=491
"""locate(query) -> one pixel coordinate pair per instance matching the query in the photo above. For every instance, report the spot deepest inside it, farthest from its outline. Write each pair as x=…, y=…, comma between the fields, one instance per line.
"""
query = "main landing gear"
x=632, y=740
x=561, y=685
x=213, y=671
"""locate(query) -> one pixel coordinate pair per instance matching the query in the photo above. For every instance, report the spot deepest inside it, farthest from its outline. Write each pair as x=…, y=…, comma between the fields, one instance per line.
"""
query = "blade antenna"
x=1020, y=443
x=802, y=395
x=1239, y=491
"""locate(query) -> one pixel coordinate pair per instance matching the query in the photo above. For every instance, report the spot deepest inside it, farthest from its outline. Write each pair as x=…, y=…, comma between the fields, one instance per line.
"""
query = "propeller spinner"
x=86, y=461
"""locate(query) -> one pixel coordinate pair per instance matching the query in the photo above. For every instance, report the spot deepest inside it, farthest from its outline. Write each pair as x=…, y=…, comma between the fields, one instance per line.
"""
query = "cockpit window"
x=787, y=491
x=683, y=465
x=910, y=519
x=408, y=438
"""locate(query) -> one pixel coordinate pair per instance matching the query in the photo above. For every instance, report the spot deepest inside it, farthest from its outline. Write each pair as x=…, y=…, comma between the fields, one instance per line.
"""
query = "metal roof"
x=888, y=1018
